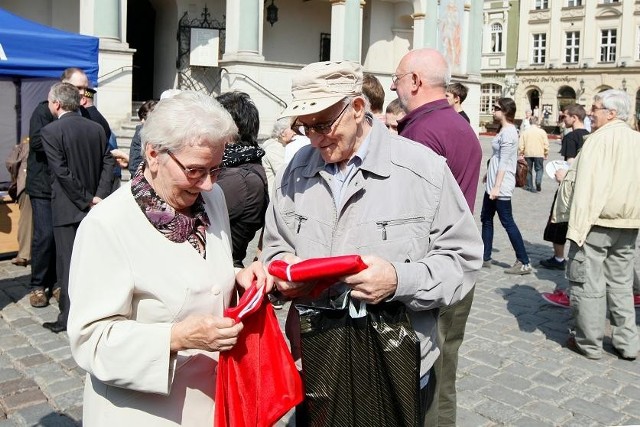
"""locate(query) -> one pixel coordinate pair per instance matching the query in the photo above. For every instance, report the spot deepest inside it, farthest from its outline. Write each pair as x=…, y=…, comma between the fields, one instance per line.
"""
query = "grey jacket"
x=403, y=205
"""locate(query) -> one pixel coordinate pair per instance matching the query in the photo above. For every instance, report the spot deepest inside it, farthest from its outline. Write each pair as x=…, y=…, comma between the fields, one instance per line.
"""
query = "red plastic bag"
x=326, y=270
x=258, y=382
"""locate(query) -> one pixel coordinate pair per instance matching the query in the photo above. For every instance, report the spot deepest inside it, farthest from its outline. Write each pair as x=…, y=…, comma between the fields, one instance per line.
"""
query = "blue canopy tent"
x=32, y=57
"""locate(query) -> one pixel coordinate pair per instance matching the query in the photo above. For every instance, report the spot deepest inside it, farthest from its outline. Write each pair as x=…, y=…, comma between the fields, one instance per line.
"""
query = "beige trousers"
x=601, y=277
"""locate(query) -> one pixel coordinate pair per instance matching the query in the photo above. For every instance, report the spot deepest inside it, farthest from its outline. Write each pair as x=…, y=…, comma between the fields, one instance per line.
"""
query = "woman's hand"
x=205, y=332
x=293, y=289
x=494, y=193
x=255, y=271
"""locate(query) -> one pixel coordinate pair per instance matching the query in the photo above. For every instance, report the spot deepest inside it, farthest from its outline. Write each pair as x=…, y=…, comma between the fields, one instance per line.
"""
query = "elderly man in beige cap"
x=359, y=189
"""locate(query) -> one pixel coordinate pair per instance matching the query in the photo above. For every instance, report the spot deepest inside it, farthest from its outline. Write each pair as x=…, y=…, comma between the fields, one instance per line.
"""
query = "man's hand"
x=293, y=289
x=94, y=201
x=375, y=283
x=560, y=174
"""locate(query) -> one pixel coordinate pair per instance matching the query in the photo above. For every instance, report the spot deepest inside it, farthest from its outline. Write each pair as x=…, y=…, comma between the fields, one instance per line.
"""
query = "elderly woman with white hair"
x=152, y=273
x=273, y=147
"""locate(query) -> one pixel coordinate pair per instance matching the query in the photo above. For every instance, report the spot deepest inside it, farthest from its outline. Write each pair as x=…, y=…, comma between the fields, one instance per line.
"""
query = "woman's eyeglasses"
x=319, y=128
x=196, y=173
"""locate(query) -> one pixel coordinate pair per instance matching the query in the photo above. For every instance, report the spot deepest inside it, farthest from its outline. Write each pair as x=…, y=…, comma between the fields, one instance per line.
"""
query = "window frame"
x=489, y=96
x=608, y=50
x=538, y=48
x=497, y=35
x=572, y=51
x=540, y=4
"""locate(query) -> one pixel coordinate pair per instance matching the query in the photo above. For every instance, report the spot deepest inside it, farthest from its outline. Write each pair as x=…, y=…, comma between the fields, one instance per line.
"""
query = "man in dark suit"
x=81, y=173
x=43, y=253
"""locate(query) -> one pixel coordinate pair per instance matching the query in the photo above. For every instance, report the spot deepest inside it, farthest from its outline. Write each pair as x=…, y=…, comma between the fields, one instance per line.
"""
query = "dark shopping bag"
x=258, y=382
x=360, y=371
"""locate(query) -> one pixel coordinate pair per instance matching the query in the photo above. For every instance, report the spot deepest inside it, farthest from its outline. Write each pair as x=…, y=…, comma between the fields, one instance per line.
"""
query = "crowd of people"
x=143, y=272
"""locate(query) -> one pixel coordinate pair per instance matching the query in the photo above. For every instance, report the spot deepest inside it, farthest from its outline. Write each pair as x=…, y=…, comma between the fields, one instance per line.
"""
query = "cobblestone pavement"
x=513, y=369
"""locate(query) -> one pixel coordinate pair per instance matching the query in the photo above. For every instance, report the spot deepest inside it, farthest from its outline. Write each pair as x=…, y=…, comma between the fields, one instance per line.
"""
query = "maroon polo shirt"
x=438, y=126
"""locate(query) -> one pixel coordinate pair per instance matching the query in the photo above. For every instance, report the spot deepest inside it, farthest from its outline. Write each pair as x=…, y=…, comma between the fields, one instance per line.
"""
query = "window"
x=610, y=1
x=539, y=48
x=496, y=38
x=325, y=47
x=573, y=3
x=572, y=49
x=490, y=93
x=541, y=4
x=608, y=45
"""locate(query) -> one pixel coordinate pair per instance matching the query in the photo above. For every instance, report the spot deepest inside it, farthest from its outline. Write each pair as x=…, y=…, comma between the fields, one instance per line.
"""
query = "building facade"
x=501, y=24
x=567, y=51
x=147, y=46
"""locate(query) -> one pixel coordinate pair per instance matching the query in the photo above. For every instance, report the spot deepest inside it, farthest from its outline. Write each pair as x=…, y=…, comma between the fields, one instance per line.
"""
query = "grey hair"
x=67, y=95
x=280, y=126
x=617, y=100
x=189, y=118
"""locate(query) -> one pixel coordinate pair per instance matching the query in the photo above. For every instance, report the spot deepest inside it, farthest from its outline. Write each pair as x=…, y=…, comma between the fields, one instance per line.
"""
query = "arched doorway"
x=533, y=96
x=566, y=96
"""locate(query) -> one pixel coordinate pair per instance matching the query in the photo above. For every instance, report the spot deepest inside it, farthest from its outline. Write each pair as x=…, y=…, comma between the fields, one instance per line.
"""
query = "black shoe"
x=55, y=327
x=553, y=264
x=539, y=187
x=622, y=356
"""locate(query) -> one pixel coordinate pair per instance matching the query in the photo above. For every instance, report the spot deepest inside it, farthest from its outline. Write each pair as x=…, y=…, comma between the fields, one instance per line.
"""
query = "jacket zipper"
x=383, y=224
x=300, y=219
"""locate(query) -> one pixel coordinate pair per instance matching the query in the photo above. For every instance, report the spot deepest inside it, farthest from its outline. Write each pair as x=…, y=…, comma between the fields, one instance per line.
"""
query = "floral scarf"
x=175, y=226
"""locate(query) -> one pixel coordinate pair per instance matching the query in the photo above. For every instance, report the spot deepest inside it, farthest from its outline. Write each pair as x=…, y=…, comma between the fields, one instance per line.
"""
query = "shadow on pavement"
x=55, y=419
x=13, y=289
x=533, y=313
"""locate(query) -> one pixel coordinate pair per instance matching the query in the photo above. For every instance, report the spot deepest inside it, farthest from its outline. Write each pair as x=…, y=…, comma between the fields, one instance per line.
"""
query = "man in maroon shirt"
x=420, y=81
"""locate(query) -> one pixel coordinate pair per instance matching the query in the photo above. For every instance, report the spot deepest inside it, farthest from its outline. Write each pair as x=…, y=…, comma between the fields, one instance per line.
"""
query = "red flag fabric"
x=326, y=270
x=258, y=382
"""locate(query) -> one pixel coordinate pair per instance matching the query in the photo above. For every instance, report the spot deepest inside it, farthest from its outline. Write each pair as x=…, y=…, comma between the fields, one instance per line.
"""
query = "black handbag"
x=360, y=371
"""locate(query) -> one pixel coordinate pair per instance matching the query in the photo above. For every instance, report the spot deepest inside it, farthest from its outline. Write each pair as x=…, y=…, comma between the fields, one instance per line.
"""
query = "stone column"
x=474, y=43
x=346, y=30
x=425, y=22
x=106, y=19
x=244, y=27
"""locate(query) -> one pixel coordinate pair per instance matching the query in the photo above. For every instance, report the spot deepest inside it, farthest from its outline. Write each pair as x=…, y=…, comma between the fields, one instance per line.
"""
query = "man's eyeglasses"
x=497, y=108
x=319, y=128
x=396, y=77
x=196, y=173
x=594, y=108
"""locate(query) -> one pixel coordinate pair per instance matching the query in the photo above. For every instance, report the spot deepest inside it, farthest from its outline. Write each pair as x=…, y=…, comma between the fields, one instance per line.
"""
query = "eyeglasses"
x=497, y=108
x=319, y=128
x=196, y=173
x=594, y=108
x=396, y=77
